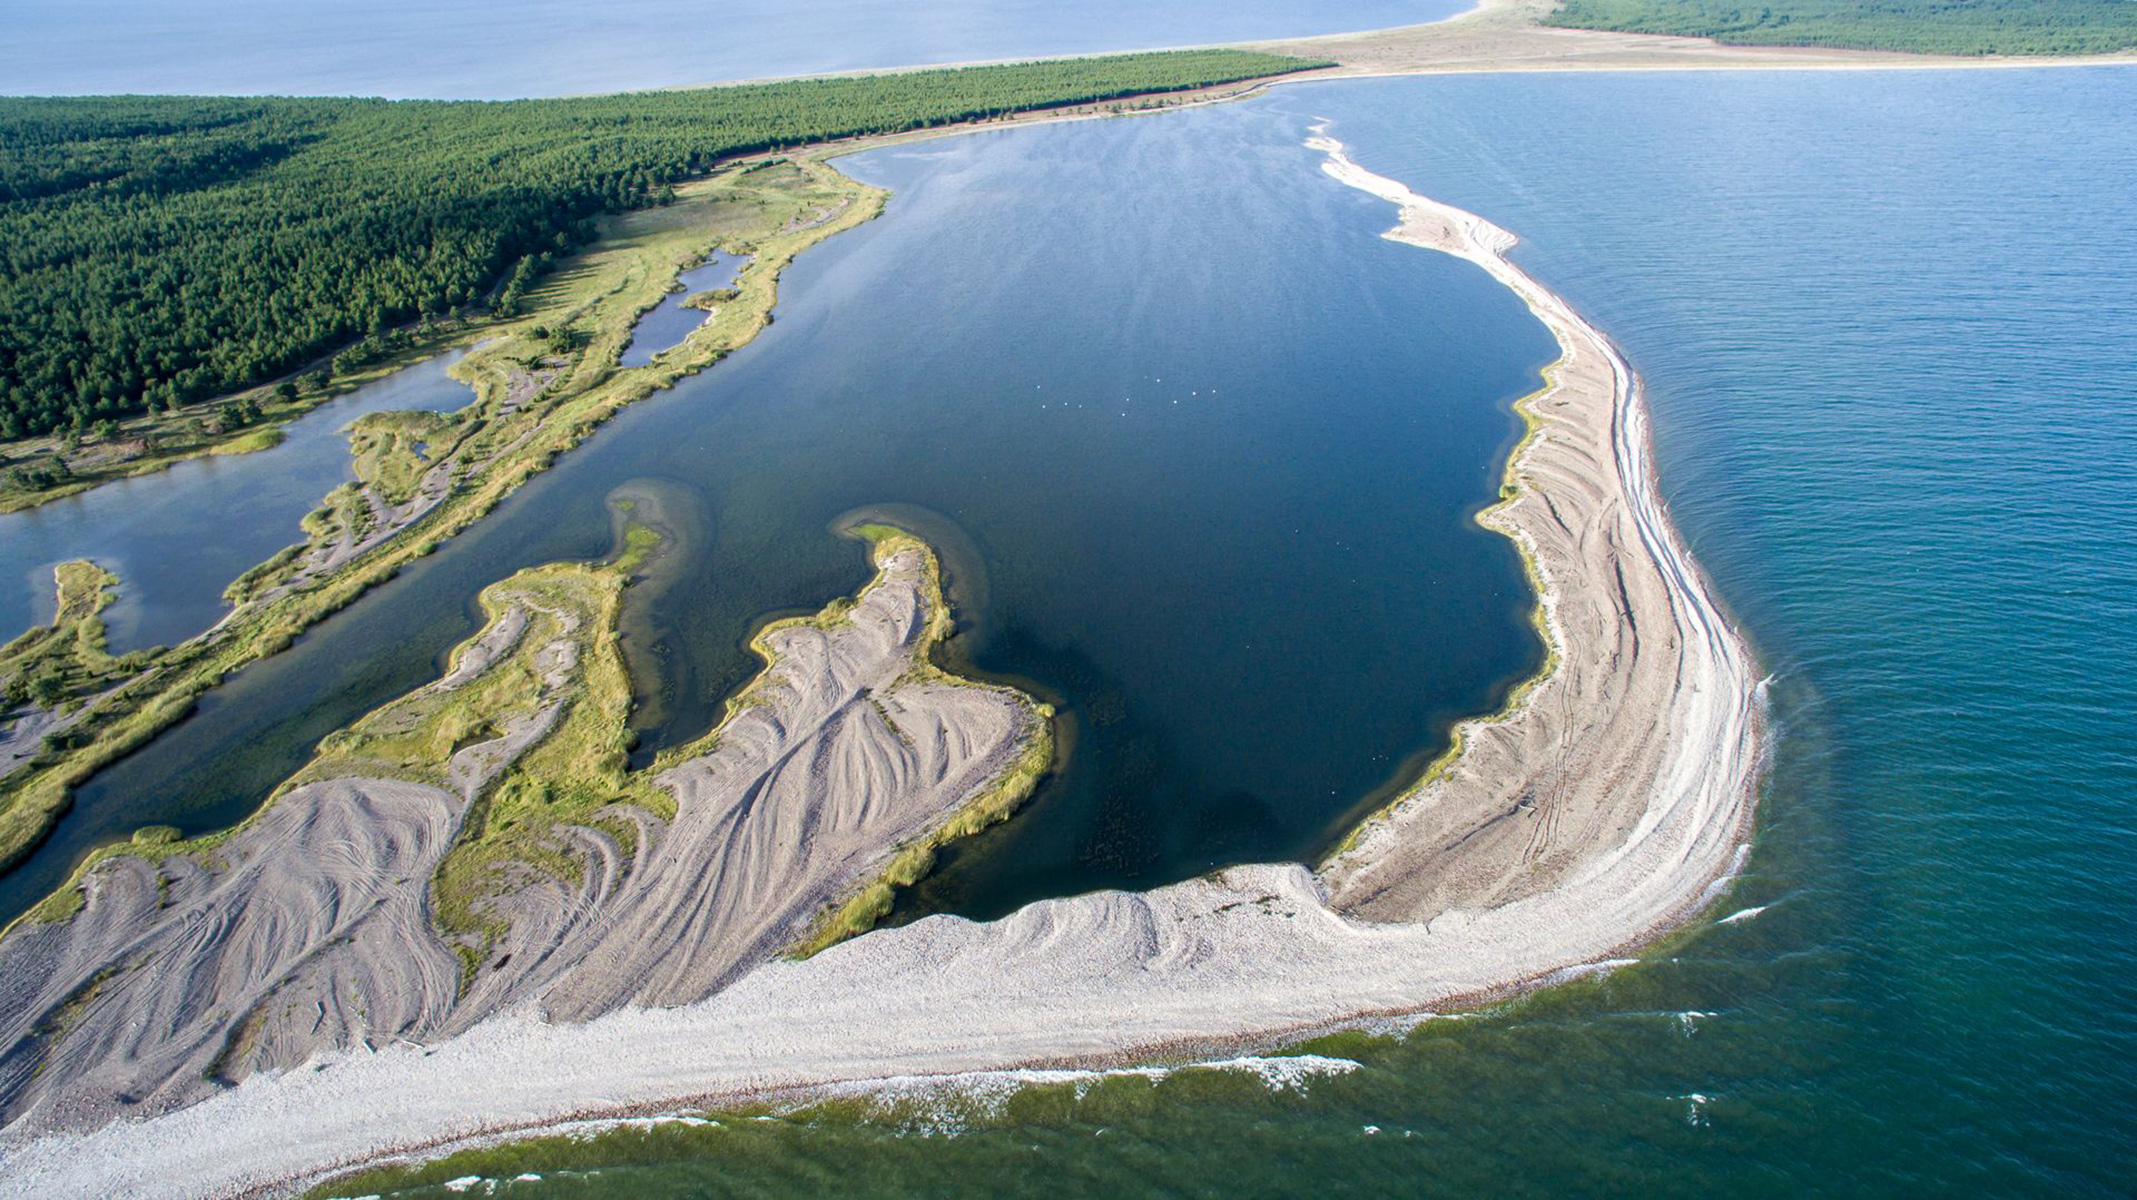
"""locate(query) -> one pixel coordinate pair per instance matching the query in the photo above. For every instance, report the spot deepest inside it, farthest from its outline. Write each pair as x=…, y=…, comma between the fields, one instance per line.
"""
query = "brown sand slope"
x=1624, y=726
x=842, y=759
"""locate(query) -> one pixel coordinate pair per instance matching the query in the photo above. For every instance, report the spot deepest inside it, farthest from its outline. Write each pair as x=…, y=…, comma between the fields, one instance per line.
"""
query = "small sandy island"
x=1610, y=801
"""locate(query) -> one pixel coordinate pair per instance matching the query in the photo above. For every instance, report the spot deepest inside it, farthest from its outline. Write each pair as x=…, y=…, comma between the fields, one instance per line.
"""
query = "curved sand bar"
x=314, y=927
x=1610, y=801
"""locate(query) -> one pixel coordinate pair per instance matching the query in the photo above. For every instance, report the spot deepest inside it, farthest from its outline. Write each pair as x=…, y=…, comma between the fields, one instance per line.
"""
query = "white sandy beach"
x=1651, y=817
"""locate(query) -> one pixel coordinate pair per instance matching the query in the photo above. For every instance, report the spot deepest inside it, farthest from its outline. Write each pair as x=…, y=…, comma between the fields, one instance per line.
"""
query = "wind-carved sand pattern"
x=1612, y=799
x=310, y=929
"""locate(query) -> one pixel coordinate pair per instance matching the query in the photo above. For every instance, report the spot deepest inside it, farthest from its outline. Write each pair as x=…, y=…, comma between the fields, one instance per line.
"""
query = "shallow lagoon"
x=179, y=536
x=1202, y=465
x=668, y=323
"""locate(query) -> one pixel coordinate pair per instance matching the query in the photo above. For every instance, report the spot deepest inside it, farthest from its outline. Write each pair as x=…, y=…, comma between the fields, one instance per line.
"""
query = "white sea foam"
x=594, y=1128
x=1585, y=970
x=1688, y=1021
x=943, y=1105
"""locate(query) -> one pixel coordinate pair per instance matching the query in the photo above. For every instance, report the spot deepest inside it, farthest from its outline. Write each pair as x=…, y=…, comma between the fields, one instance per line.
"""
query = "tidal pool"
x=669, y=322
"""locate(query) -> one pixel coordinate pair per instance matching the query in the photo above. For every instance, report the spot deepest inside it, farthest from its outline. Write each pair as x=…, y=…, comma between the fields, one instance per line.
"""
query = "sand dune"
x=1649, y=715
x=804, y=795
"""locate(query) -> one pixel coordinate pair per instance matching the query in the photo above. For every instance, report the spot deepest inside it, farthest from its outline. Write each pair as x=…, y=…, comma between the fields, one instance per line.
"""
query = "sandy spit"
x=1507, y=36
x=1618, y=843
x=1643, y=743
x=309, y=929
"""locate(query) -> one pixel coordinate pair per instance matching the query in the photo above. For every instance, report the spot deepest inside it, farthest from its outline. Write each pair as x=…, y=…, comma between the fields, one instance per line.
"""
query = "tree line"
x=157, y=251
x=1914, y=26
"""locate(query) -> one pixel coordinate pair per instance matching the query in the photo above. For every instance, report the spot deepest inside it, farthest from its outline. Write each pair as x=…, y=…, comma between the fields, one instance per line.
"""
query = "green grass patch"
x=393, y=449
x=56, y=666
x=250, y=442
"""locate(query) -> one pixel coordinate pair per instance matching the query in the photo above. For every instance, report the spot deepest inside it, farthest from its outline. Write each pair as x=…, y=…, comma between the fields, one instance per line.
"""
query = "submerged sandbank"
x=1611, y=799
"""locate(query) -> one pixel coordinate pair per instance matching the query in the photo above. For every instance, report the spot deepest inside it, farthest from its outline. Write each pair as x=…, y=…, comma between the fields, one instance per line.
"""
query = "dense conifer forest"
x=1917, y=26
x=156, y=251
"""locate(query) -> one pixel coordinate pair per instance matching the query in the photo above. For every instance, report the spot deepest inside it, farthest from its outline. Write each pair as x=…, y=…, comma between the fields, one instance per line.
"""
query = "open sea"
x=1889, y=328
x=503, y=49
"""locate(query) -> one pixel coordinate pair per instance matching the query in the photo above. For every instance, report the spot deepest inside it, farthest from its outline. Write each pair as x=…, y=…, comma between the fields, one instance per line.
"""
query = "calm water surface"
x=1201, y=461
x=494, y=49
x=1890, y=334
x=669, y=322
x=178, y=537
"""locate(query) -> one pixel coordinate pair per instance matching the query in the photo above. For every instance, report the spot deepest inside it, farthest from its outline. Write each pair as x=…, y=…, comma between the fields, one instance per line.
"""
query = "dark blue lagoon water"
x=670, y=321
x=178, y=537
x=1890, y=331
x=1202, y=461
x=492, y=49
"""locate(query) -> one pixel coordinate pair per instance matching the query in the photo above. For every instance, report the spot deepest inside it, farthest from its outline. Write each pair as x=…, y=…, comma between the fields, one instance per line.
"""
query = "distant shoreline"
x=1504, y=37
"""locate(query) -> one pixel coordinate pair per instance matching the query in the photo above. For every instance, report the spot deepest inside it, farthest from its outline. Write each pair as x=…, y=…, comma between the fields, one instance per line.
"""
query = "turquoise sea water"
x=1889, y=330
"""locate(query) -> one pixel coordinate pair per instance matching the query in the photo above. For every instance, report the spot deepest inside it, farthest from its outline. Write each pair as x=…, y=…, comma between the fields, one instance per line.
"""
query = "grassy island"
x=55, y=668
x=484, y=834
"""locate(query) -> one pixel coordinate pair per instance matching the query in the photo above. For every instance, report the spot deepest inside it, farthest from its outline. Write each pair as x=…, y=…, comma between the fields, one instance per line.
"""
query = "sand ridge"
x=1621, y=822
x=1599, y=751
x=310, y=929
